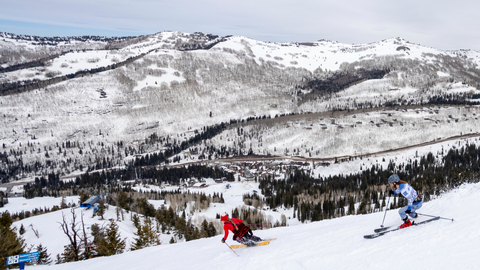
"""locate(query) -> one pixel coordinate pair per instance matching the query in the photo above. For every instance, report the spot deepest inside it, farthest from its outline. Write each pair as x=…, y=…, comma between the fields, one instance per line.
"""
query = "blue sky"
x=445, y=25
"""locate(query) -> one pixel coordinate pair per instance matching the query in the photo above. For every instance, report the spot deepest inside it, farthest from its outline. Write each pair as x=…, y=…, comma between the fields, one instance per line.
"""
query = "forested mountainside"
x=82, y=103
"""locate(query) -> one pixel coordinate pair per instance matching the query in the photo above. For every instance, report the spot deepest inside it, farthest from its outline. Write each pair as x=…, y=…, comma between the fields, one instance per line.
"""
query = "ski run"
x=329, y=244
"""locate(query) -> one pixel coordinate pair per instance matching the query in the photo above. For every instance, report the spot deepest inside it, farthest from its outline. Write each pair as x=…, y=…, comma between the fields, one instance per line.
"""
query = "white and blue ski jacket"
x=408, y=192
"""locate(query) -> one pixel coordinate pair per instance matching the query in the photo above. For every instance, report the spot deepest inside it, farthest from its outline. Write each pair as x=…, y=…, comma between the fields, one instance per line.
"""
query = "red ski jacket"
x=228, y=226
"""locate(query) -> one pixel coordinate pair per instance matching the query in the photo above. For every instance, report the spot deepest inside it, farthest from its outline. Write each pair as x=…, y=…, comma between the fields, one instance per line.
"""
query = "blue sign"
x=22, y=258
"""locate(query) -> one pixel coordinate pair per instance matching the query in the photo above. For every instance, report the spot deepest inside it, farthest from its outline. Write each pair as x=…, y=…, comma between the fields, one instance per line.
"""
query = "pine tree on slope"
x=111, y=243
x=10, y=243
x=43, y=256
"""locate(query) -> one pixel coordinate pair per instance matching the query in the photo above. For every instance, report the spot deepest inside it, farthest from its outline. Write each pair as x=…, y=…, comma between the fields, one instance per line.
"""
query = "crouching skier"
x=241, y=232
x=414, y=199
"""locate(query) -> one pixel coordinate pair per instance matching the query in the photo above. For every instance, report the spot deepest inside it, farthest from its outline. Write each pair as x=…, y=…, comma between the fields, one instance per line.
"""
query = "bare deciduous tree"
x=75, y=231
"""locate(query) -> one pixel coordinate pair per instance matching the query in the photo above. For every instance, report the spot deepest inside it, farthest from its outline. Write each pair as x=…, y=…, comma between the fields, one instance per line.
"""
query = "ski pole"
x=231, y=249
x=435, y=216
x=386, y=207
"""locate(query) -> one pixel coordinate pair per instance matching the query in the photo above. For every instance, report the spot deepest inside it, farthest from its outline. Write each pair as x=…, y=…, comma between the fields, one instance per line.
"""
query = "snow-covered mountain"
x=98, y=94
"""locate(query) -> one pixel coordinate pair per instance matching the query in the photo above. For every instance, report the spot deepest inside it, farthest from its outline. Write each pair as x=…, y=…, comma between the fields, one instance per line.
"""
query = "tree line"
x=338, y=81
x=52, y=185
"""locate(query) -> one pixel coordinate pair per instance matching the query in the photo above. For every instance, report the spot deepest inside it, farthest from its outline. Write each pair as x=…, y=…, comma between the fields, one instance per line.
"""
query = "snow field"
x=329, y=244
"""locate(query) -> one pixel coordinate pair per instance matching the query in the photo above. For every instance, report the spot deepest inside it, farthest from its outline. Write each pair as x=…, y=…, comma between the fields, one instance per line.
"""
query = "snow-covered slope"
x=326, y=55
x=48, y=226
x=329, y=244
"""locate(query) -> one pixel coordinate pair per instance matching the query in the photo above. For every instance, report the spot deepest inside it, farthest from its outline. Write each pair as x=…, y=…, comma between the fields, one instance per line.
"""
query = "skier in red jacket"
x=241, y=232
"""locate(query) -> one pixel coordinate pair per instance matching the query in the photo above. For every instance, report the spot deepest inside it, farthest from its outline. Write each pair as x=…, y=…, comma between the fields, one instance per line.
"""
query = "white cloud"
x=442, y=25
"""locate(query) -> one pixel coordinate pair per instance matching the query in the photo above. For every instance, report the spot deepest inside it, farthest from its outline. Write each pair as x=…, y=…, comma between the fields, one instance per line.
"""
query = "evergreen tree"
x=43, y=256
x=180, y=227
x=101, y=209
x=98, y=235
x=21, y=231
x=111, y=243
x=138, y=241
x=63, y=203
x=10, y=243
x=212, y=231
x=351, y=206
x=146, y=235
x=204, y=229
x=58, y=260
x=70, y=254
x=2, y=198
x=136, y=220
x=82, y=197
x=152, y=236
x=235, y=213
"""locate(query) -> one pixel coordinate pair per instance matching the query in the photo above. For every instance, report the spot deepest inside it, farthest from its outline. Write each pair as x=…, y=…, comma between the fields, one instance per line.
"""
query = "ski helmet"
x=393, y=178
x=224, y=217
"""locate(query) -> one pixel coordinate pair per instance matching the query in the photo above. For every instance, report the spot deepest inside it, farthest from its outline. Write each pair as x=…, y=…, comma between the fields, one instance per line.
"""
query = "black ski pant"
x=249, y=240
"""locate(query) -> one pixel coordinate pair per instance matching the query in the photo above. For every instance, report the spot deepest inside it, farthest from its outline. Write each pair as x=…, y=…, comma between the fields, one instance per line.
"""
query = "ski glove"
x=223, y=240
x=408, y=211
x=391, y=192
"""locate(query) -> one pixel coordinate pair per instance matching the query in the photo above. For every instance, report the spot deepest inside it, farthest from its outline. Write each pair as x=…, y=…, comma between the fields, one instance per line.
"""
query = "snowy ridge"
x=325, y=55
x=328, y=244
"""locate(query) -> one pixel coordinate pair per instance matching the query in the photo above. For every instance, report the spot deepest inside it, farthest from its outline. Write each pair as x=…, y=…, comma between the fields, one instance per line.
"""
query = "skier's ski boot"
x=250, y=244
x=257, y=239
x=406, y=224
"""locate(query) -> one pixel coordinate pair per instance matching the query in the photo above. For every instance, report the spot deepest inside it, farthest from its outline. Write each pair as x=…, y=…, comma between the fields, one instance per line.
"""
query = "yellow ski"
x=263, y=243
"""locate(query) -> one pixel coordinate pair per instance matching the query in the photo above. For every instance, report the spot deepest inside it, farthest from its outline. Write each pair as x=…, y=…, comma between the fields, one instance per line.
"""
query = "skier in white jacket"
x=414, y=200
